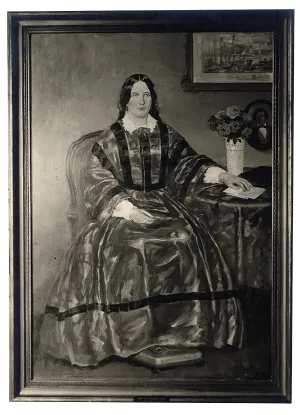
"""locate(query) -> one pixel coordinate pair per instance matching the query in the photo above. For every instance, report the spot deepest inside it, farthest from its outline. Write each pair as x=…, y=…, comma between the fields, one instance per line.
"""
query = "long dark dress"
x=126, y=286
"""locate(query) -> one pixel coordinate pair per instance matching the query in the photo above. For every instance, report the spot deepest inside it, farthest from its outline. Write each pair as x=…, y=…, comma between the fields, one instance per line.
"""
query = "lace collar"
x=129, y=126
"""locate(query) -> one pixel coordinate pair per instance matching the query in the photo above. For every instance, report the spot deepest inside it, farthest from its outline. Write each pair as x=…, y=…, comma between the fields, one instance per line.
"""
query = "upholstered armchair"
x=77, y=159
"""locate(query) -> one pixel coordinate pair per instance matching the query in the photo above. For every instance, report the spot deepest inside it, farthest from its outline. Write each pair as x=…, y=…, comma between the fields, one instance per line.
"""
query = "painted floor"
x=252, y=362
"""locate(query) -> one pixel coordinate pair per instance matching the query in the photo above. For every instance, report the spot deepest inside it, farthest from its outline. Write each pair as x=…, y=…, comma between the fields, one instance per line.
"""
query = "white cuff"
x=212, y=174
x=122, y=209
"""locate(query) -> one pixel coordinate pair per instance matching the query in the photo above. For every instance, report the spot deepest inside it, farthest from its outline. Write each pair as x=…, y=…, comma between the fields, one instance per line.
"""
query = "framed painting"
x=229, y=61
x=260, y=112
x=135, y=275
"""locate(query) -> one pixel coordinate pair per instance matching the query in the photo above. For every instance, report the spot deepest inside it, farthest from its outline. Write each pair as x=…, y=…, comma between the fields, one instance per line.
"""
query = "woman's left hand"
x=234, y=182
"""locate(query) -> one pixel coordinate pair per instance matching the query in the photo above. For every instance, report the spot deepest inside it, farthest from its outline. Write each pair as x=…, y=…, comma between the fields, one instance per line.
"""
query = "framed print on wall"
x=229, y=61
x=134, y=275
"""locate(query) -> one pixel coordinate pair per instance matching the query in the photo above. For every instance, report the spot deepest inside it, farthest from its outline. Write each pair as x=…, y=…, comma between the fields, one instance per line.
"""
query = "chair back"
x=77, y=160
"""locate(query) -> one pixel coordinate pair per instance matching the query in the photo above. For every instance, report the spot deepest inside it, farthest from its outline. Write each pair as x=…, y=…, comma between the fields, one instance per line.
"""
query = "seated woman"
x=144, y=271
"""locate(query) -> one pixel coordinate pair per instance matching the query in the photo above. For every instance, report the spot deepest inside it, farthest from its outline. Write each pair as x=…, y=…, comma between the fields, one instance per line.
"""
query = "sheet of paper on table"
x=253, y=193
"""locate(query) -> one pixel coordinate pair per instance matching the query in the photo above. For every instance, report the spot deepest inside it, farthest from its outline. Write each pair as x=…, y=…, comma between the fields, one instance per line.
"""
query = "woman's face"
x=140, y=101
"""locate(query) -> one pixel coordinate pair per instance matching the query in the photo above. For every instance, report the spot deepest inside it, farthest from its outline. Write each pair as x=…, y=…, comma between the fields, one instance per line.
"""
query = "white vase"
x=235, y=156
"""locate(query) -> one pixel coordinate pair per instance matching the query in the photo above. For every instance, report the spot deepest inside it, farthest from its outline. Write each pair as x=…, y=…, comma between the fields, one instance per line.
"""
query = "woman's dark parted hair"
x=125, y=95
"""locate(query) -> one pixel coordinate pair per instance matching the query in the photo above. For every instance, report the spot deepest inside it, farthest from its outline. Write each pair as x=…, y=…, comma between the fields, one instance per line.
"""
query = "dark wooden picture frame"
x=22, y=26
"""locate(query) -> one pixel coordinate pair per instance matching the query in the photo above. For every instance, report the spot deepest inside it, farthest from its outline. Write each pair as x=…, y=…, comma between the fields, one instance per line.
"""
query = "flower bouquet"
x=233, y=125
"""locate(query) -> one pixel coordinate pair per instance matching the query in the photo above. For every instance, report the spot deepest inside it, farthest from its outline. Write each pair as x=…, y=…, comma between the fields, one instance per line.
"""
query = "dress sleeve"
x=123, y=209
x=103, y=192
x=189, y=171
x=212, y=174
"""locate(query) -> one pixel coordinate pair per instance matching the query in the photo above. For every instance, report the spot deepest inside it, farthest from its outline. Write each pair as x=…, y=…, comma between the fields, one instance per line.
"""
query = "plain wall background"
x=76, y=79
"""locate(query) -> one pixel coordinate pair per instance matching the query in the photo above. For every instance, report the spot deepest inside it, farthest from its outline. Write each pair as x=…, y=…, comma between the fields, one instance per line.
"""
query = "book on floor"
x=168, y=356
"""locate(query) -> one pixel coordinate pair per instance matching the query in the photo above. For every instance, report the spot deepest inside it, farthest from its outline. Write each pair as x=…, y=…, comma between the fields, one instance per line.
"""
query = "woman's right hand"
x=141, y=216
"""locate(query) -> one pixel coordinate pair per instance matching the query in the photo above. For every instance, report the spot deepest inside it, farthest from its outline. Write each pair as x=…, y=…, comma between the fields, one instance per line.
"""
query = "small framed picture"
x=261, y=113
